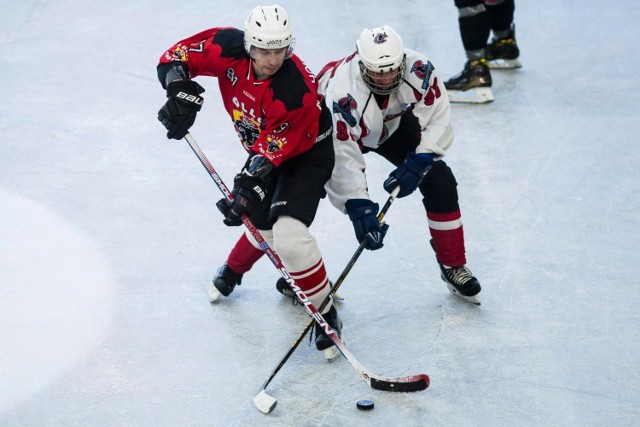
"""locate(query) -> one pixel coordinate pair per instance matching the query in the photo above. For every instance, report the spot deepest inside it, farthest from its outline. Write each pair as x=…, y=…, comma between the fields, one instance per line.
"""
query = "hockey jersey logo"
x=178, y=54
x=275, y=144
x=248, y=128
x=423, y=71
x=345, y=106
x=181, y=52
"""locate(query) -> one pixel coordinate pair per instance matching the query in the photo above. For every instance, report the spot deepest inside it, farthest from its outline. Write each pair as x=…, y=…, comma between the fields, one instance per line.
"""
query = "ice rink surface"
x=109, y=235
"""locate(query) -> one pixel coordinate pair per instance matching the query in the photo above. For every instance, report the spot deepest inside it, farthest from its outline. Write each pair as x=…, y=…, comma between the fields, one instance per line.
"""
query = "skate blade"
x=476, y=95
x=331, y=353
x=214, y=293
x=504, y=64
x=472, y=299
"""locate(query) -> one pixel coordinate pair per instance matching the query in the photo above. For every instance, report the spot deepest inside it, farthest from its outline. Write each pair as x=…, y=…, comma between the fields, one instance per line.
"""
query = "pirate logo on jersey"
x=247, y=127
x=179, y=53
x=423, y=71
x=274, y=144
x=345, y=106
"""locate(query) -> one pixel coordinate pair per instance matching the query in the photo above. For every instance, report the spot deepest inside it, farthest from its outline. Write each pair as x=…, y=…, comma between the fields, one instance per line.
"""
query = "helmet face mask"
x=382, y=59
x=382, y=82
x=268, y=27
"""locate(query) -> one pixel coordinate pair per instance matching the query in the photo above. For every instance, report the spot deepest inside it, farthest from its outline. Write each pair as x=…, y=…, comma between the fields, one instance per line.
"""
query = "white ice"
x=109, y=234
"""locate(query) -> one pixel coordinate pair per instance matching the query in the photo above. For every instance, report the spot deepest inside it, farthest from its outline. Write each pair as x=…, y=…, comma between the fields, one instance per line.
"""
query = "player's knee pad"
x=294, y=243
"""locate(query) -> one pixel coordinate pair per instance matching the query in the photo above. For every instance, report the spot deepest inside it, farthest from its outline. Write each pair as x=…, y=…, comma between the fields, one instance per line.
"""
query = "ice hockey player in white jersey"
x=391, y=101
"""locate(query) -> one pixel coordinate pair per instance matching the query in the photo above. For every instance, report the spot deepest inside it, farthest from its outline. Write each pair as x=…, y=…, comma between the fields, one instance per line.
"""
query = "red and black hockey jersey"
x=277, y=117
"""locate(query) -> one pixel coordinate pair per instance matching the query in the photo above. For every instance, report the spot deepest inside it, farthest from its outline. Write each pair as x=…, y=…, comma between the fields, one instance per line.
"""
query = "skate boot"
x=224, y=283
x=461, y=282
x=503, y=52
x=323, y=342
x=472, y=85
x=283, y=287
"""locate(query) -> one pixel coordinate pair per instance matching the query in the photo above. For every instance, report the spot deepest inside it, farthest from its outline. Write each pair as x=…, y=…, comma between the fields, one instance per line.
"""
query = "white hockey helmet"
x=381, y=51
x=268, y=27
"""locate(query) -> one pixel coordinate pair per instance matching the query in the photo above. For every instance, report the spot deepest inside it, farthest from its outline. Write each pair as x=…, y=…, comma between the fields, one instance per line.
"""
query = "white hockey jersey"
x=358, y=121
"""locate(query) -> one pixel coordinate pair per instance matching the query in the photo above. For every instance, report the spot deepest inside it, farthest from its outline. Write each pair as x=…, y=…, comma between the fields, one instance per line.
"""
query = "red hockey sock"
x=448, y=238
x=314, y=282
x=243, y=256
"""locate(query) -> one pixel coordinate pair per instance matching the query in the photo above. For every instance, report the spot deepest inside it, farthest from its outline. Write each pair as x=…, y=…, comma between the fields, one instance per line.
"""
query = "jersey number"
x=433, y=93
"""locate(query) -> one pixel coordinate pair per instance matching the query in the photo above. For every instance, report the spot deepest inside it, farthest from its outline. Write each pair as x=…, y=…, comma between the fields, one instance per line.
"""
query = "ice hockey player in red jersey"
x=273, y=102
x=391, y=101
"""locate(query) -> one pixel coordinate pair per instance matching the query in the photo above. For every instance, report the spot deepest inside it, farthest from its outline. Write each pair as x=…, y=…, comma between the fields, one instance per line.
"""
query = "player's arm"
x=348, y=179
x=433, y=112
x=177, y=66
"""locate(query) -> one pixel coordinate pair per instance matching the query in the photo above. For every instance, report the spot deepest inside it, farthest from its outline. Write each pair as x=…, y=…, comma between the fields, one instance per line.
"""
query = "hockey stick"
x=262, y=400
x=334, y=289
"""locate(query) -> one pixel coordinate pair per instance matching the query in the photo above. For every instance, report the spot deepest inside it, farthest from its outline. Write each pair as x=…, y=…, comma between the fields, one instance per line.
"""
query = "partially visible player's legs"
x=503, y=51
x=295, y=203
x=473, y=83
x=301, y=256
x=439, y=189
x=244, y=254
x=242, y=257
x=440, y=199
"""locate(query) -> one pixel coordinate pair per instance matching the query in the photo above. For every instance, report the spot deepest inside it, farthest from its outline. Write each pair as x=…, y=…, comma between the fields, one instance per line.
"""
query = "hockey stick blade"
x=265, y=403
x=402, y=384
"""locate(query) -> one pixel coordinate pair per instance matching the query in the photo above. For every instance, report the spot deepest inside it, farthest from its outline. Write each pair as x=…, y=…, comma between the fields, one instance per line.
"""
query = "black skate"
x=472, y=85
x=283, y=287
x=323, y=342
x=503, y=52
x=224, y=283
x=461, y=282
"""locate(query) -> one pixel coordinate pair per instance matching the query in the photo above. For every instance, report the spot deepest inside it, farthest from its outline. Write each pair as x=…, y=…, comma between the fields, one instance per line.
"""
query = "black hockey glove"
x=363, y=213
x=249, y=189
x=250, y=194
x=224, y=205
x=179, y=112
x=409, y=174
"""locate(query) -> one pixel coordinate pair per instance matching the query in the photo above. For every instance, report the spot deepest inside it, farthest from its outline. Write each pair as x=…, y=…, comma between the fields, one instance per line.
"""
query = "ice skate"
x=472, y=85
x=223, y=283
x=283, y=287
x=503, y=52
x=323, y=342
x=461, y=282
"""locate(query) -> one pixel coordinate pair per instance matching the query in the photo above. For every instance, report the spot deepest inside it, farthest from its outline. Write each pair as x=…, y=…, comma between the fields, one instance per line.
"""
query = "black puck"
x=365, y=405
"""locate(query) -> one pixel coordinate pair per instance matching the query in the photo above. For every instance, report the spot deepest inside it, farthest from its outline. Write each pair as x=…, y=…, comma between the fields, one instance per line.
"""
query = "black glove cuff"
x=260, y=166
